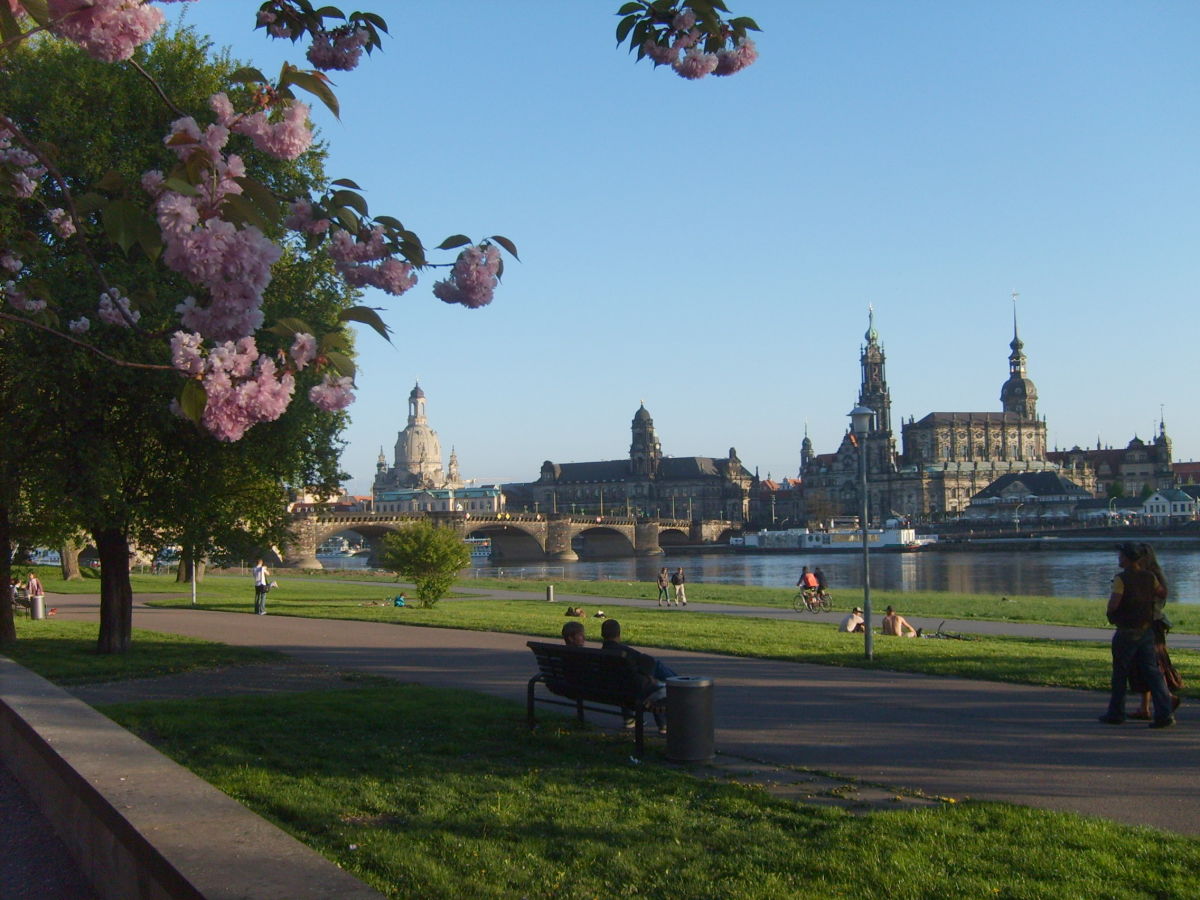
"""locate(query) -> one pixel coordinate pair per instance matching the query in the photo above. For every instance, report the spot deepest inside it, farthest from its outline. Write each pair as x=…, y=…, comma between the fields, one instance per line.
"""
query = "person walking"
x=680, y=593
x=1161, y=625
x=663, y=581
x=1131, y=607
x=260, y=588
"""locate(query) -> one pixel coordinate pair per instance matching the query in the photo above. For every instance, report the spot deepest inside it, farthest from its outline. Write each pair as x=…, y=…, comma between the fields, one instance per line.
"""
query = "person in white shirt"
x=260, y=588
x=853, y=622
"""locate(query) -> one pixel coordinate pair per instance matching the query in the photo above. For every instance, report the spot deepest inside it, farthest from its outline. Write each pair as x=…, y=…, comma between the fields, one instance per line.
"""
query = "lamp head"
x=860, y=420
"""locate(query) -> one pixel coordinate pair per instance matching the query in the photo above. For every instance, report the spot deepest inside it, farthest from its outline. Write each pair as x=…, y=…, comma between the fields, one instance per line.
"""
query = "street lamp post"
x=860, y=423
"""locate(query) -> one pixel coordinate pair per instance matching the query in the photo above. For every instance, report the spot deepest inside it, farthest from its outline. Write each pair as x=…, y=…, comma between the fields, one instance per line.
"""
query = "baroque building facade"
x=946, y=457
x=647, y=483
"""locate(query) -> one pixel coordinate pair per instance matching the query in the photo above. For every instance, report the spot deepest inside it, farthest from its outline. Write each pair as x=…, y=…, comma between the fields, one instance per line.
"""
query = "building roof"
x=1036, y=484
x=1173, y=495
x=968, y=418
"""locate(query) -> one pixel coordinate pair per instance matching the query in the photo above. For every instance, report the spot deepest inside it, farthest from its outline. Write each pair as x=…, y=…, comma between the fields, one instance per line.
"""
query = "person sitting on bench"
x=654, y=673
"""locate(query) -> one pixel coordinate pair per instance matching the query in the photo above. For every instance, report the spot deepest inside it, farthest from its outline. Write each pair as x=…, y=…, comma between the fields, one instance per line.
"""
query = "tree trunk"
x=188, y=567
x=70, y=560
x=116, y=593
x=8, y=627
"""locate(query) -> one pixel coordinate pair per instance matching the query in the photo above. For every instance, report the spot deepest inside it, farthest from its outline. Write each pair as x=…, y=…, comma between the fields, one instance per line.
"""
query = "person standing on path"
x=260, y=588
x=663, y=581
x=1131, y=607
x=35, y=591
x=680, y=594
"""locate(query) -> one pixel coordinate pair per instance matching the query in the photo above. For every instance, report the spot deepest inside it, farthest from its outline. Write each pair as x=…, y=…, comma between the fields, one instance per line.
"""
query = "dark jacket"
x=1137, y=604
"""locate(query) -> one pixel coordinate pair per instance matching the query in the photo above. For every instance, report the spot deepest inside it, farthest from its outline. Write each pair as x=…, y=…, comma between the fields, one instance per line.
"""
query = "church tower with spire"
x=1018, y=395
x=873, y=393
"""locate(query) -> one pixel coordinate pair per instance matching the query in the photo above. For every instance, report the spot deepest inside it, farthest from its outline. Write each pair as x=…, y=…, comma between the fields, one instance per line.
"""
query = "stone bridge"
x=515, y=537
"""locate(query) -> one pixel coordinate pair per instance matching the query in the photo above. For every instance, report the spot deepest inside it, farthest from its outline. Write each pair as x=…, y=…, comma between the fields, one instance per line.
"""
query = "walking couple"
x=665, y=581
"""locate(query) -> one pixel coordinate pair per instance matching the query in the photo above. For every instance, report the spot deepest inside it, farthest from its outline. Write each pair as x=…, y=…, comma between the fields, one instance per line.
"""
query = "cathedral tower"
x=873, y=392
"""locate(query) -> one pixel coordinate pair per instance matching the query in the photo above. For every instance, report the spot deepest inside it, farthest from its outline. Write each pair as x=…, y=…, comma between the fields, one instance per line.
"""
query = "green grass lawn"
x=431, y=793
x=65, y=652
x=1074, y=664
x=934, y=604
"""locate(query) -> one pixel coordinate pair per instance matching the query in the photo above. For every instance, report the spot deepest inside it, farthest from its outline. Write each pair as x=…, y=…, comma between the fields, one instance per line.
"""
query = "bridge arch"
x=510, y=542
x=602, y=542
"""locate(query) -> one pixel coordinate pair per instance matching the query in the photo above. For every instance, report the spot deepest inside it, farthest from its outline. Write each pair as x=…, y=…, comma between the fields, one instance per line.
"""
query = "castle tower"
x=873, y=393
x=452, y=469
x=1018, y=395
x=418, y=451
x=806, y=451
x=644, y=450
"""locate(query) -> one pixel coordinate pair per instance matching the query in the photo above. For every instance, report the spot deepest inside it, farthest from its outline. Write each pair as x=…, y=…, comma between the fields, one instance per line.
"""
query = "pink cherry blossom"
x=108, y=30
x=696, y=64
x=10, y=261
x=333, y=393
x=114, y=309
x=285, y=139
x=304, y=350
x=62, y=223
x=472, y=281
x=339, y=49
x=732, y=61
x=79, y=326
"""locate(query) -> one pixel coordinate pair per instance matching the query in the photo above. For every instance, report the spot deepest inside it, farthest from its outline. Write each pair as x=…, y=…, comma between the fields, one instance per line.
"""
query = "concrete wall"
x=139, y=825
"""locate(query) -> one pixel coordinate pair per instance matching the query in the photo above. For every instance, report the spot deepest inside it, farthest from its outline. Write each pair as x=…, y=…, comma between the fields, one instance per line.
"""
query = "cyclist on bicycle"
x=808, y=582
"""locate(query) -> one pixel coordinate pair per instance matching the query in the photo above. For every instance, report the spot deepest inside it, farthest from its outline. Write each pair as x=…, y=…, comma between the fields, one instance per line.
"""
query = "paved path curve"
x=945, y=736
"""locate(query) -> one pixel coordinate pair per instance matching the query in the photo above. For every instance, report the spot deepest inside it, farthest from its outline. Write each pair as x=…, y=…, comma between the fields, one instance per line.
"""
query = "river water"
x=1058, y=573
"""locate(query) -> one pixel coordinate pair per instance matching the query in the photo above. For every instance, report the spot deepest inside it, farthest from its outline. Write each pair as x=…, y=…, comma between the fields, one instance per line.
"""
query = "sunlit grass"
x=442, y=794
x=1076, y=664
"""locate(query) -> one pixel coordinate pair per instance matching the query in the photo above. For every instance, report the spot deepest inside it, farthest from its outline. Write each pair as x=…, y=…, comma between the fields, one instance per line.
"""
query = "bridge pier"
x=645, y=538
x=301, y=551
x=558, y=538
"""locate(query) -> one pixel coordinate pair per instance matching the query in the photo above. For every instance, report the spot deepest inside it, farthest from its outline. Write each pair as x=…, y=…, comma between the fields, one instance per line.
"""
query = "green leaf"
x=330, y=12
x=390, y=222
x=123, y=223
x=192, y=399
x=89, y=202
x=744, y=23
x=261, y=196
x=111, y=182
x=375, y=20
x=9, y=29
x=293, y=326
x=341, y=363
x=367, y=315
x=39, y=11
x=313, y=82
x=150, y=238
x=241, y=211
x=629, y=8
x=455, y=240
x=507, y=245
x=624, y=27
x=248, y=75
x=179, y=186
x=346, y=183
x=351, y=199
x=336, y=341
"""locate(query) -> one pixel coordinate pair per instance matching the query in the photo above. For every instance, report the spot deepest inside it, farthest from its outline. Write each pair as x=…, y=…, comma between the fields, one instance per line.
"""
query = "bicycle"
x=945, y=635
x=813, y=600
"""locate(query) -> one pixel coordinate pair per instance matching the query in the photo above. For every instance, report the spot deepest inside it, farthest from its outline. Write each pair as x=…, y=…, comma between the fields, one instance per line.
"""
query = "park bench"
x=588, y=679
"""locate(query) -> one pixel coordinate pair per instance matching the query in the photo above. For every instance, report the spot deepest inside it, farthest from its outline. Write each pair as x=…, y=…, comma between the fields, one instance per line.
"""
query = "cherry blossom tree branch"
x=86, y=346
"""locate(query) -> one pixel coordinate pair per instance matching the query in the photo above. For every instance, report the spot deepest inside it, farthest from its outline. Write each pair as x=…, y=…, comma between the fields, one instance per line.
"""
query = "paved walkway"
x=944, y=736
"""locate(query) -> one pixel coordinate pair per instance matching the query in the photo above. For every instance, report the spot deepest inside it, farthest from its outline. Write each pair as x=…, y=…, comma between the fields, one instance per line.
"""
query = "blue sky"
x=711, y=247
